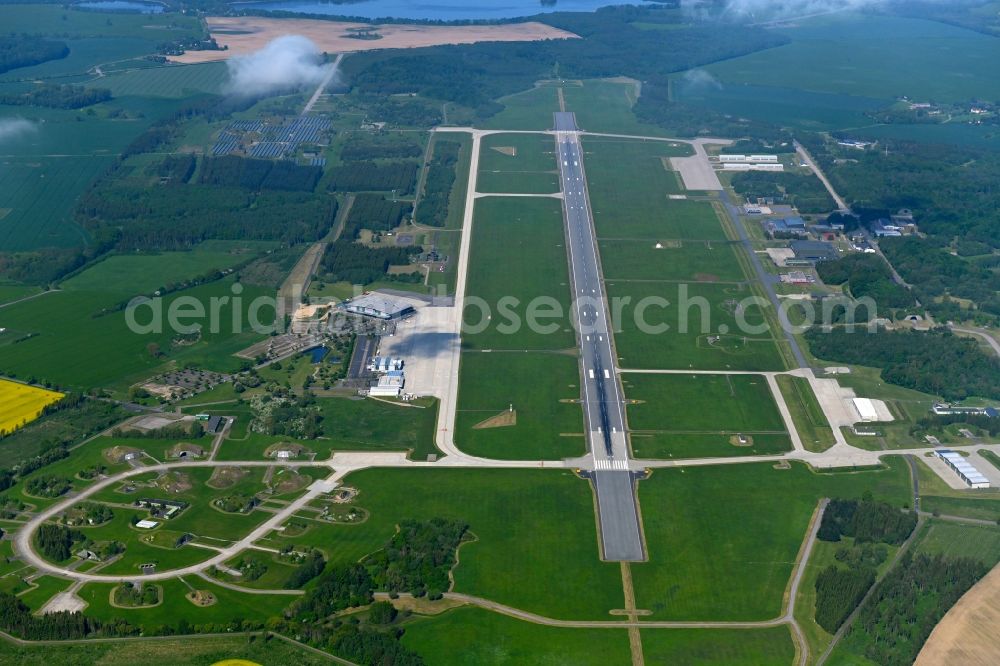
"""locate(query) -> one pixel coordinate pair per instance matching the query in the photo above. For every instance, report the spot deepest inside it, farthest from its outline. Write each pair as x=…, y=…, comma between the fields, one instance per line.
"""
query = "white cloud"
x=12, y=128
x=291, y=61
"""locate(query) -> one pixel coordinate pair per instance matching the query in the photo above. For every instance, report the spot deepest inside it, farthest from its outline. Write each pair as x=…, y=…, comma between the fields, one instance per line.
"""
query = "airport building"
x=379, y=306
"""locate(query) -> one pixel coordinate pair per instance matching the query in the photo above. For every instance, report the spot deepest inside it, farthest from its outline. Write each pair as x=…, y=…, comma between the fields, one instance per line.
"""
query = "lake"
x=438, y=10
x=121, y=6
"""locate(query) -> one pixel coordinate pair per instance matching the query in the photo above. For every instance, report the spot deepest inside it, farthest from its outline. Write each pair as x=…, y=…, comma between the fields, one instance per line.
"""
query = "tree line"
x=255, y=174
x=936, y=361
x=26, y=50
x=433, y=208
x=55, y=96
x=371, y=176
x=866, y=275
x=347, y=261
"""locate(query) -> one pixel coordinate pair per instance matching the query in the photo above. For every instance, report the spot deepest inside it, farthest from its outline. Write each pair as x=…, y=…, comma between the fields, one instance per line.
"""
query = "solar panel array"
x=270, y=149
x=317, y=161
x=226, y=144
x=276, y=140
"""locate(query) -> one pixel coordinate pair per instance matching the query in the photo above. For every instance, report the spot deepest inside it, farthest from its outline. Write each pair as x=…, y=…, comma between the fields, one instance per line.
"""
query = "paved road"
x=602, y=398
x=989, y=339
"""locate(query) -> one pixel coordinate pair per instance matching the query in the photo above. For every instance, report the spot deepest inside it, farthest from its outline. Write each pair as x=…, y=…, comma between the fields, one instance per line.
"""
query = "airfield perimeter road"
x=621, y=536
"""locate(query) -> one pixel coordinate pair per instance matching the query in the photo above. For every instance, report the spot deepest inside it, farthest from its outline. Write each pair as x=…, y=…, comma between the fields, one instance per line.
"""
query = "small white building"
x=146, y=524
x=389, y=385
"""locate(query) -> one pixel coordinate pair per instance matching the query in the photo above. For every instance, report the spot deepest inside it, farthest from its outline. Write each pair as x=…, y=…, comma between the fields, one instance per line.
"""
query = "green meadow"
x=702, y=415
x=850, y=55
x=166, y=81
x=536, y=538
x=722, y=540
x=705, y=324
x=518, y=163
x=719, y=647
x=681, y=261
x=518, y=254
x=544, y=391
x=475, y=636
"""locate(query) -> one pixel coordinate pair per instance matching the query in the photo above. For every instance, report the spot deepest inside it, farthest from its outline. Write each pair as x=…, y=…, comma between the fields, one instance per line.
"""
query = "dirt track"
x=246, y=34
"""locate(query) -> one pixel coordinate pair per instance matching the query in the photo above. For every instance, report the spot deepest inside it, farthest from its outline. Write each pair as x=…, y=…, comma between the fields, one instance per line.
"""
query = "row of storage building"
x=965, y=470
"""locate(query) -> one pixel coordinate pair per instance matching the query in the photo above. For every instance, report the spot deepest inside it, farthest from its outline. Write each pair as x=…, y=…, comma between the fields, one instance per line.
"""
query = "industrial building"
x=787, y=225
x=379, y=306
x=809, y=252
x=946, y=409
x=390, y=385
x=749, y=159
x=385, y=364
x=745, y=166
x=965, y=470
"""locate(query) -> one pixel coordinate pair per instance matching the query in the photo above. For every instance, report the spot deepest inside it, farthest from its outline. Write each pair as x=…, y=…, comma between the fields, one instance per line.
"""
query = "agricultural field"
x=702, y=415
x=135, y=274
x=718, y=647
x=518, y=164
x=848, y=55
x=518, y=251
x=543, y=391
x=739, y=543
x=34, y=19
x=20, y=404
x=535, y=534
x=167, y=81
x=704, y=327
x=952, y=539
x=101, y=350
x=476, y=636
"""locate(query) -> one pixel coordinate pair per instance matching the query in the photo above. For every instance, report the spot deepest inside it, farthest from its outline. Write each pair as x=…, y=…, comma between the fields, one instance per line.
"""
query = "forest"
x=870, y=524
x=375, y=213
x=347, y=261
x=433, y=207
x=372, y=147
x=16, y=618
x=253, y=174
x=135, y=216
x=805, y=192
x=475, y=75
x=866, y=521
x=56, y=541
x=866, y=275
x=418, y=558
x=952, y=193
x=936, y=362
x=897, y=618
x=25, y=50
x=56, y=96
x=370, y=176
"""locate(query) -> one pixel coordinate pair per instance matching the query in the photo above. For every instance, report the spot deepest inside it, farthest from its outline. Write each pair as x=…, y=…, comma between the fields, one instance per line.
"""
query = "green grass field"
x=46, y=588
x=535, y=529
x=702, y=415
x=168, y=81
x=848, y=55
x=475, y=636
x=980, y=542
x=53, y=19
x=718, y=647
x=526, y=110
x=704, y=332
x=162, y=652
x=681, y=261
x=518, y=163
x=230, y=605
x=543, y=390
x=606, y=106
x=722, y=540
x=101, y=350
x=518, y=252
x=145, y=273
x=807, y=415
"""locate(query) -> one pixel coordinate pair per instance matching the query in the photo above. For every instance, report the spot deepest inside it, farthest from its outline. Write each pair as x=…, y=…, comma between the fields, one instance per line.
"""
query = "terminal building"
x=965, y=470
x=379, y=306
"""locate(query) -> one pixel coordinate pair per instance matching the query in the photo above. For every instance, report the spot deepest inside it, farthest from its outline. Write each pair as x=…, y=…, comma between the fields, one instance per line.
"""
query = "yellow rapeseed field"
x=20, y=404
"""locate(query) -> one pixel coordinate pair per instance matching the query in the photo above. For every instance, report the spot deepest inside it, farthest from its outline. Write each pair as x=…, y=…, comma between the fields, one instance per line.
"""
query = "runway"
x=603, y=404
